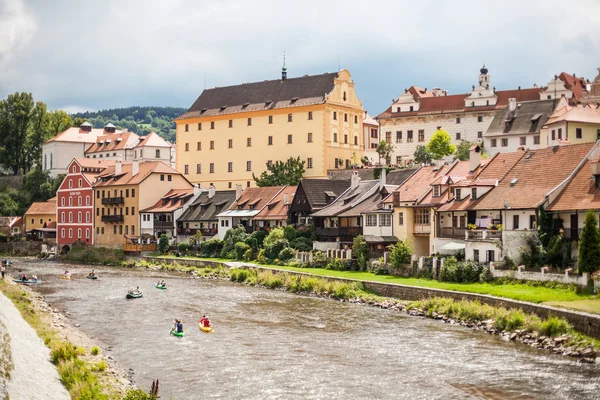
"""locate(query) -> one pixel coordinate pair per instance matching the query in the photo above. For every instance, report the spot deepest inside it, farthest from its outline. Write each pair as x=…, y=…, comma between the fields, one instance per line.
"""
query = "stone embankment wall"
x=21, y=248
x=588, y=324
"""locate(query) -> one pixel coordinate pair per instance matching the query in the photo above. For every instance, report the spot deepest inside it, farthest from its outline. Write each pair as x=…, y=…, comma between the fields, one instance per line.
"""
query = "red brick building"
x=75, y=202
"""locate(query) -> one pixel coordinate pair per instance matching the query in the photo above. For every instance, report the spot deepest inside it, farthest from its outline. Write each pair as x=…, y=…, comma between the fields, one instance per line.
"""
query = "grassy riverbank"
x=83, y=374
x=509, y=289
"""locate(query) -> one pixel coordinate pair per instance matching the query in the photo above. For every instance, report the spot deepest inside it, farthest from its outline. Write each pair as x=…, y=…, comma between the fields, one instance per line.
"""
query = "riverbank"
x=552, y=334
x=83, y=370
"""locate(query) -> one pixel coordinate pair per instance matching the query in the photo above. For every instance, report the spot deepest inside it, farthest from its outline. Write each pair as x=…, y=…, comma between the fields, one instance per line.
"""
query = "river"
x=271, y=344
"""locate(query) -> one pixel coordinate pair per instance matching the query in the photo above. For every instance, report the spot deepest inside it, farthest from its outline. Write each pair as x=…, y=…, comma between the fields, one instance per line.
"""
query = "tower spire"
x=283, y=69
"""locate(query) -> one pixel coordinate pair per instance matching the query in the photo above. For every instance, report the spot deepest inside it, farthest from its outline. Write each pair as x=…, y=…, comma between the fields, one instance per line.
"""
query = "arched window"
x=62, y=201
x=70, y=183
x=87, y=200
x=344, y=96
x=79, y=233
x=70, y=217
x=79, y=216
x=79, y=201
x=70, y=232
x=87, y=233
x=70, y=201
x=80, y=182
x=62, y=232
x=73, y=169
x=63, y=220
x=87, y=216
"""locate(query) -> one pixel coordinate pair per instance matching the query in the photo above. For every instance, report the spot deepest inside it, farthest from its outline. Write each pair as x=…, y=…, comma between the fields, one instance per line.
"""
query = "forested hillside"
x=141, y=120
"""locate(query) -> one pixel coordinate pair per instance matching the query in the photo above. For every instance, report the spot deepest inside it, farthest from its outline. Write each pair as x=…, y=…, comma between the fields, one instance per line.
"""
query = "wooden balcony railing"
x=113, y=200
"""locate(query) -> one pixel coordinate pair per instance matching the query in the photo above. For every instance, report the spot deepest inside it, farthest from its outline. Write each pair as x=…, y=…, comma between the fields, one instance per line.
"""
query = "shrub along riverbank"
x=82, y=371
x=556, y=334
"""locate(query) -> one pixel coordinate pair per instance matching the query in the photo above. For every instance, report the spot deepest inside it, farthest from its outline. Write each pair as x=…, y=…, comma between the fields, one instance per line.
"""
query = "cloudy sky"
x=94, y=54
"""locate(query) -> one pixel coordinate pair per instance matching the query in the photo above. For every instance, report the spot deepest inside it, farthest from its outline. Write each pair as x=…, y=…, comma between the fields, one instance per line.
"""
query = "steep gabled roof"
x=277, y=208
x=113, y=142
x=41, y=207
x=206, y=208
x=349, y=199
x=77, y=135
x=152, y=139
x=255, y=198
x=173, y=200
x=316, y=190
x=588, y=114
x=580, y=194
x=528, y=118
x=263, y=95
x=126, y=178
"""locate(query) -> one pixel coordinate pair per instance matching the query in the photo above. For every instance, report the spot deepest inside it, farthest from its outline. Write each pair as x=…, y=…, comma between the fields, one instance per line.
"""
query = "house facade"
x=75, y=203
x=127, y=146
x=312, y=195
x=124, y=189
x=370, y=138
x=161, y=218
x=573, y=125
x=418, y=113
x=230, y=133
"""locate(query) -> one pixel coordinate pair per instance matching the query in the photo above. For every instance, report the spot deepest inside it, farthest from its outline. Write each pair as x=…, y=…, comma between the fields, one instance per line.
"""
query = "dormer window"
x=474, y=194
x=436, y=191
x=457, y=194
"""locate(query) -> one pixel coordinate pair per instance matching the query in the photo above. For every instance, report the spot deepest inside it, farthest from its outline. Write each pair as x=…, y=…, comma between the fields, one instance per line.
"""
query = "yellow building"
x=40, y=214
x=572, y=125
x=232, y=132
x=124, y=189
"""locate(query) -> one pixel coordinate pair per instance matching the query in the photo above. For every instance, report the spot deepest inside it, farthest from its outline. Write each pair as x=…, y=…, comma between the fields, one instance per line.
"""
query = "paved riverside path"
x=33, y=376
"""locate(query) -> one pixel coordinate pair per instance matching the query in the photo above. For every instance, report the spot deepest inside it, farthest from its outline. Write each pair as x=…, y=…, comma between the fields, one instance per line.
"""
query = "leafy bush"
x=289, y=233
x=273, y=236
x=261, y=258
x=319, y=259
x=400, y=253
x=555, y=326
x=460, y=271
x=361, y=250
x=256, y=239
x=249, y=255
x=240, y=250
x=273, y=248
x=337, y=265
x=95, y=351
x=163, y=243
x=211, y=247
x=486, y=276
x=302, y=244
x=182, y=247
x=232, y=237
x=285, y=254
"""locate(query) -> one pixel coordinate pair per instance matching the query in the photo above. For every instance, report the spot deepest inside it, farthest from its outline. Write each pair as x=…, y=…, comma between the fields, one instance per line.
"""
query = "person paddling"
x=24, y=277
x=177, y=326
x=205, y=322
x=92, y=273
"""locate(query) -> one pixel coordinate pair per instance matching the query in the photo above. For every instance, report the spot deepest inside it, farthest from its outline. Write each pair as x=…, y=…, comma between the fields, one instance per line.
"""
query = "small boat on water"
x=206, y=329
x=178, y=334
x=92, y=277
x=134, y=295
x=66, y=277
x=160, y=286
x=27, y=281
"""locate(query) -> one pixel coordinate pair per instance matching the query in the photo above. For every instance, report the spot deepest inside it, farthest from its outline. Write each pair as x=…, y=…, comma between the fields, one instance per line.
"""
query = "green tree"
x=58, y=121
x=361, y=251
x=39, y=186
x=440, y=145
x=15, y=116
x=385, y=150
x=281, y=173
x=163, y=243
x=8, y=205
x=231, y=237
x=463, y=150
x=400, y=253
x=273, y=236
x=589, y=244
x=545, y=226
x=422, y=156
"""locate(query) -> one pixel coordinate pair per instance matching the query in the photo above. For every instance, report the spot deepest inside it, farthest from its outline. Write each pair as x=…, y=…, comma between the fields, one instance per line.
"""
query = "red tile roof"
x=41, y=207
x=173, y=200
x=580, y=193
x=112, y=142
x=126, y=178
x=255, y=198
x=277, y=208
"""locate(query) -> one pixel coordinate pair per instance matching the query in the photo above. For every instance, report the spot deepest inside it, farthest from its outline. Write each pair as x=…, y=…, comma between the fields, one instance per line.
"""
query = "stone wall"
x=581, y=280
x=21, y=248
x=346, y=174
x=585, y=323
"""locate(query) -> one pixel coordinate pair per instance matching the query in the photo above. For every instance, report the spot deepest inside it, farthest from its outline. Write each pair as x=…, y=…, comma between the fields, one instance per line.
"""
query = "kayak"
x=134, y=295
x=178, y=334
x=92, y=277
x=27, y=281
x=65, y=277
x=160, y=287
x=205, y=329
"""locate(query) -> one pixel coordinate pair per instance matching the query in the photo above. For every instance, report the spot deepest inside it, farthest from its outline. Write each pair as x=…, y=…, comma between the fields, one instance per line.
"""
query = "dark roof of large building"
x=527, y=118
x=206, y=209
x=255, y=96
x=316, y=191
x=399, y=176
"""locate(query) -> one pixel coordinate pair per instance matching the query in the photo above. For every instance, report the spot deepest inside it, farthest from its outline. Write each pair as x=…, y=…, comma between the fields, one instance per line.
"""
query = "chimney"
x=382, y=178
x=109, y=128
x=212, y=191
x=285, y=199
x=238, y=191
x=396, y=198
x=354, y=180
x=118, y=167
x=512, y=104
x=135, y=168
x=474, y=157
x=196, y=189
x=85, y=127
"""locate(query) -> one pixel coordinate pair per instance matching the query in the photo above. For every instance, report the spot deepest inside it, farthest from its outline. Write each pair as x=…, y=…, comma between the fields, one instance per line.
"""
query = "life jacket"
x=179, y=327
x=206, y=323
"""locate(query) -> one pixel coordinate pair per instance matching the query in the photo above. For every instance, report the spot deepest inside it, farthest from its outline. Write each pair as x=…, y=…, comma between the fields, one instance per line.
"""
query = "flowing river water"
x=271, y=344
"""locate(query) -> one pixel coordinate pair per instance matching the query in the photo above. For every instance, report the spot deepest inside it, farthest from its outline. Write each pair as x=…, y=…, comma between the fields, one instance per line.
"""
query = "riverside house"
x=201, y=214
x=232, y=132
x=127, y=146
x=122, y=190
x=312, y=195
x=161, y=218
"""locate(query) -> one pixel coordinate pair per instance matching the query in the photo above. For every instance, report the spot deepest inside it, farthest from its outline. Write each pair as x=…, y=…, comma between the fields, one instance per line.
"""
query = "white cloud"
x=92, y=54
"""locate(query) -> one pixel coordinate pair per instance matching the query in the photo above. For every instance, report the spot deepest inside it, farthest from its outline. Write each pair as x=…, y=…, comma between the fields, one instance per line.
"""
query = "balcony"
x=113, y=200
x=421, y=229
x=483, y=234
x=451, y=232
x=163, y=225
x=112, y=218
x=345, y=233
x=192, y=231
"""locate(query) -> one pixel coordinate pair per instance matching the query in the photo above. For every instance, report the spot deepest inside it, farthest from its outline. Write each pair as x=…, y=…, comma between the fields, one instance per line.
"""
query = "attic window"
x=294, y=99
x=268, y=103
x=245, y=105
x=223, y=108
x=514, y=181
x=535, y=118
x=202, y=111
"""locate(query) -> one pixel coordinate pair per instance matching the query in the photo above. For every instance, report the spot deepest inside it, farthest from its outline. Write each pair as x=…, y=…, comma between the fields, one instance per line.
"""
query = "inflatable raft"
x=205, y=329
x=134, y=295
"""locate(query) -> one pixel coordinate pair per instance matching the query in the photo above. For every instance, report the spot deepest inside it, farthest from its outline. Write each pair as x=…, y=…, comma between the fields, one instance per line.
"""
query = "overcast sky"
x=80, y=54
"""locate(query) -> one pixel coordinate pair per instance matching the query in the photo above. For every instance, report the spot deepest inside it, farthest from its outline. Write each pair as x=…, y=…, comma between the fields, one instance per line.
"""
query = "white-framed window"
x=87, y=216
x=436, y=190
x=400, y=218
x=62, y=218
x=79, y=216
x=70, y=217
x=87, y=200
x=62, y=232
x=79, y=201
x=71, y=182
x=87, y=233
x=385, y=220
x=70, y=232
x=80, y=182
x=422, y=216
x=62, y=201
x=79, y=233
x=371, y=220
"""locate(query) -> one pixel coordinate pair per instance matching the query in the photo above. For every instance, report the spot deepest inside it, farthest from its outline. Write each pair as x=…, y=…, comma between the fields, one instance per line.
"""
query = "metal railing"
x=113, y=200
x=112, y=218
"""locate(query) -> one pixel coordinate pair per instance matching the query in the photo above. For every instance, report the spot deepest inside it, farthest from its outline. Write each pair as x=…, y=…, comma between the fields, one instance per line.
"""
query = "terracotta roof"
x=498, y=166
x=152, y=139
x=573, y=83
x=262, y=95
x=112, y=142
x=419, y=183
x=419, y=93
x=456, y=205
x=17, y=221
x=589, y=114
x=41, y=207
x=368, y=120
x=255, y=198
x=527, y=118
x=206, y=208
x=535, y=174
x=94, y=163
x=75, y=134
x=580, y=193
x=173, y=200
x=277, y=208
x=125, y=178
x=456, y=103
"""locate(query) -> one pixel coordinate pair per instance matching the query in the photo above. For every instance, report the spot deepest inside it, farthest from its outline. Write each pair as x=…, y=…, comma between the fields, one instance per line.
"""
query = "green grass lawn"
x=515, y=291
x=589, y=305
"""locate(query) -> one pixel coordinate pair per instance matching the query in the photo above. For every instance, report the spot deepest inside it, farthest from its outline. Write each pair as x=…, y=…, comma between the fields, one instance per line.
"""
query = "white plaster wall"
x=147, y=226
x=514, y=142
x=378, y=230
x=223, y=229
x=482, y=246
x=512, y=241
x=555, y=128
x=524, y=216
x=62, y=155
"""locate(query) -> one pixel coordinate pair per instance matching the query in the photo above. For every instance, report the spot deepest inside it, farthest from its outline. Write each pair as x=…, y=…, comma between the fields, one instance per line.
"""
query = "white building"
x=565, y=86
x=58, y=152
x=128, y=146
x=417, y=114
x=371, y=138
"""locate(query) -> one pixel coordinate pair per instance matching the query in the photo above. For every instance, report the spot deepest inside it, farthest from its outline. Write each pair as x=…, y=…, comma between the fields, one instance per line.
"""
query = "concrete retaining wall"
x=588, y=324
